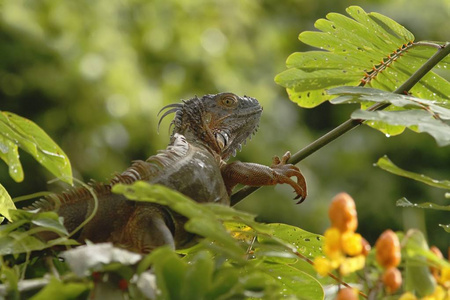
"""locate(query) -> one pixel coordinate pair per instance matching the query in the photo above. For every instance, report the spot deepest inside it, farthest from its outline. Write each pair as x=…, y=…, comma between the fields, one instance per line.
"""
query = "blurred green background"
x=94, y=74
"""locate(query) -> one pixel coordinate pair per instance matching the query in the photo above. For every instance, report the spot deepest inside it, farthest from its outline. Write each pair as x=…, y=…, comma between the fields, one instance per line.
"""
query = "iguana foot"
x=258, y=175
x=283, y=173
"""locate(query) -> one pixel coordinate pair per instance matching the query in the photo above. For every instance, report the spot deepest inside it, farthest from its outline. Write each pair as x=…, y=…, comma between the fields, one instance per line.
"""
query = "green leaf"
x=15, y=239
x=57, y=289
x=416, y=120
x=428, y=119
x=357, y=94
x=365, y=48
x=20, y=243
x=418, y=277
x=445, y=227
x=31, y=138
x=306, y=243
x=10, y=276
x=225, y=283
x=256, y=283
x=294, y=283
x=23, y=242
x=170, y=271
x=6, y=204
x=202, y=220
x=387, y=165
x=53, y=224
x=405, y=203
x=229, y=214
x=10, y=155
x=198, y=278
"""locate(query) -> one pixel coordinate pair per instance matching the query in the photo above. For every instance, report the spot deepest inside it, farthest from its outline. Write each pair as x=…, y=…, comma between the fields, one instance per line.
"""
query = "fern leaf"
x=365, y=49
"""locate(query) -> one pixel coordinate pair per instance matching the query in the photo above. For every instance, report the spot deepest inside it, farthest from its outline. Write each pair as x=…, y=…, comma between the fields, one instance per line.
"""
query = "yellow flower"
x=445, y=277
x=352, y=264
x=352, y=243
x=242, y=233
x=332, y=247
x=322, y=265
x=438, y=294
x=407, y=296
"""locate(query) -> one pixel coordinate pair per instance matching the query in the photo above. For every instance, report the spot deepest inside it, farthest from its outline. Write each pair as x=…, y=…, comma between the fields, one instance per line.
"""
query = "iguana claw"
x=283, y=173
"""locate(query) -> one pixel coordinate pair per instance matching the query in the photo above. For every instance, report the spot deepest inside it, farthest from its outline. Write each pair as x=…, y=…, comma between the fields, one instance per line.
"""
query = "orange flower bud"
x=388, y=249
x=342, y=213
x=347, y=294
x=365, y=247
x=392, y=279
x=438, y=253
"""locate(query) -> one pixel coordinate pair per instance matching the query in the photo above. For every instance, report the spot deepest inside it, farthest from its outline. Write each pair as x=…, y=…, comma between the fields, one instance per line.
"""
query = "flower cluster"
x=345, y=250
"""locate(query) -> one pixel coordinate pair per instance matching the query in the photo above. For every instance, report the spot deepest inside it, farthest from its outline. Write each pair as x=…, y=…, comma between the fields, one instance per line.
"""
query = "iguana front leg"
x=258, y=175
x=147, y=229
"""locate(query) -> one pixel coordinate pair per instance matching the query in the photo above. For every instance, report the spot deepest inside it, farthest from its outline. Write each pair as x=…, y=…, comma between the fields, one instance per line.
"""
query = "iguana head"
x=222, y=122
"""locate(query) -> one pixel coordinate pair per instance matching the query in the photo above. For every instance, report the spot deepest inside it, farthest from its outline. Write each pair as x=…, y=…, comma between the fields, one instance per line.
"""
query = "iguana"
x=206, y=132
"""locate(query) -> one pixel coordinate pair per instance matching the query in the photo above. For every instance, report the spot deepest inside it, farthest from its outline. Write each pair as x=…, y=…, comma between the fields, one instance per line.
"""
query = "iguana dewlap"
x=207, y=131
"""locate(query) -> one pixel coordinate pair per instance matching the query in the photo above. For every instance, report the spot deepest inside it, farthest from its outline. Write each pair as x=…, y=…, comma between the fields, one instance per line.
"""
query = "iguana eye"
x=228, y=100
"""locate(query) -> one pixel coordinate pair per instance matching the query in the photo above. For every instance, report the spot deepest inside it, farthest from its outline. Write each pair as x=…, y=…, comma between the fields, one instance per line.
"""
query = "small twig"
x=374, y=292
x=25, y=285
x=51, y=267
x=31, y=196
x=350, y=124
x=430, y=44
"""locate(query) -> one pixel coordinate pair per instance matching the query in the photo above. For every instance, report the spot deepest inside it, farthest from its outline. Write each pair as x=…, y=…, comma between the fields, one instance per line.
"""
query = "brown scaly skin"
x=207, y=131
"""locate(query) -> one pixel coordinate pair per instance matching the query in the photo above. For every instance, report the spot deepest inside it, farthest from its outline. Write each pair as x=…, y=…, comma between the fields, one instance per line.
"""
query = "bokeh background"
x=94, y=74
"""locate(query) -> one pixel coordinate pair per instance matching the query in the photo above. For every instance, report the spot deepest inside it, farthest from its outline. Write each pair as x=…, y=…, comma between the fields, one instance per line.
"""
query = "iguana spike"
x=173, y=110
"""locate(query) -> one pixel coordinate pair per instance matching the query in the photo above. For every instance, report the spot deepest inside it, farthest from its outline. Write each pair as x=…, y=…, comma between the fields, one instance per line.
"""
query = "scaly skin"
x=207, y=131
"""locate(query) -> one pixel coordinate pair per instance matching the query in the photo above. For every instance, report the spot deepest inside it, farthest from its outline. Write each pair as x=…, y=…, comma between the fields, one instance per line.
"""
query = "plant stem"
x=350, y=124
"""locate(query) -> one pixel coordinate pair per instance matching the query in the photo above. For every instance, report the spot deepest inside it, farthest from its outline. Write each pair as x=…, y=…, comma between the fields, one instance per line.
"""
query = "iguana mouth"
x=221, y=139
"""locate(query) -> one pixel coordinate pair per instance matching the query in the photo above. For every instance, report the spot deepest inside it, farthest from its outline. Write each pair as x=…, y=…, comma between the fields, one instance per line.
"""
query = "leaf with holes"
x=366, y=49
x=306, y=243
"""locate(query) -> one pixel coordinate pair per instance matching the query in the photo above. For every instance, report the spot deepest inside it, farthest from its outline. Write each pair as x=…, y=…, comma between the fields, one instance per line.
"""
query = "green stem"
x=350, y=124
